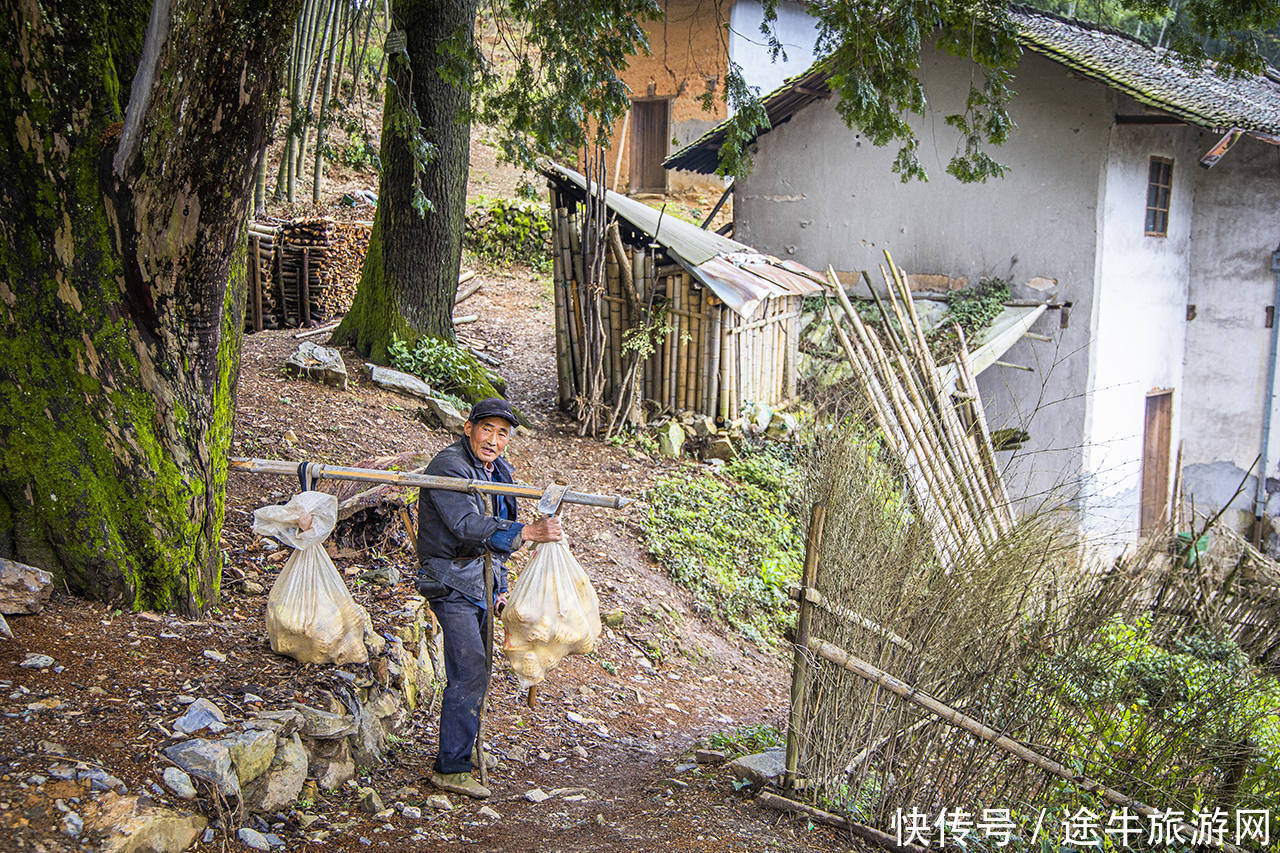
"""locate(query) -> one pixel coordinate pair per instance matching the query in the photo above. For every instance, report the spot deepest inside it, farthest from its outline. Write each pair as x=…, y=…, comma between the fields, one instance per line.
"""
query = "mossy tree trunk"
x=410, y=274
x=131, y=137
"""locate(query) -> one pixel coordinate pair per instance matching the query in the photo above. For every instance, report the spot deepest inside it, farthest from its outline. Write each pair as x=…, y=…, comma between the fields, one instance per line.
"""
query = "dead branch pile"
x=1231, y=590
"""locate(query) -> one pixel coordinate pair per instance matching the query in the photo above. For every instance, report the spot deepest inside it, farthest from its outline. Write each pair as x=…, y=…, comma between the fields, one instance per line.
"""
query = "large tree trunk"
x=122, y=282
x=410, y=274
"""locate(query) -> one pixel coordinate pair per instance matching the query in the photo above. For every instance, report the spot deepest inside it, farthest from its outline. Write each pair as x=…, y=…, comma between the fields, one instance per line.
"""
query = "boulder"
x=330, y=764
x=760, y=769
x=369, y=744
x=180, y=783
x=201, y=714
x=443, y=414
x=782, y=426
x=208, y=760
x=133, y=825
x=671, y=439
x=280, y=786
x=369, y=801
x=320, y=364
x=251, y=753
x=719, y=447
x=323, y=725
x=401, y=383
x=252, y=839
x=23, y=588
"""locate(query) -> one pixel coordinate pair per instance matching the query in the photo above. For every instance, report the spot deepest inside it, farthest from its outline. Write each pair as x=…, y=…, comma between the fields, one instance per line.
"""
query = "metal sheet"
x=738, y=275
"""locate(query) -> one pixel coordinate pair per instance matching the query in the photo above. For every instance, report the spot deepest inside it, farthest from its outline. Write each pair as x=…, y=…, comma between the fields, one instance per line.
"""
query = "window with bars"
x=1159, y=185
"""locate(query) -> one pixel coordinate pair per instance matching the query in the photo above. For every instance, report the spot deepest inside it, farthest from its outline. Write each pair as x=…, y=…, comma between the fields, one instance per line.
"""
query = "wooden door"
x=1156, y=438
x=649, y=138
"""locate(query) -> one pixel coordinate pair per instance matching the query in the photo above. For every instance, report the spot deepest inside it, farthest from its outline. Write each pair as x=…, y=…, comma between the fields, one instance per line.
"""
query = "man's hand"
x=543, y=530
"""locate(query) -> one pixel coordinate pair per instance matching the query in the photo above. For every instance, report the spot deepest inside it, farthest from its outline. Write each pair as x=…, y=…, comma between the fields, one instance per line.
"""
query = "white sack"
x=311, y=616
x=551, y=611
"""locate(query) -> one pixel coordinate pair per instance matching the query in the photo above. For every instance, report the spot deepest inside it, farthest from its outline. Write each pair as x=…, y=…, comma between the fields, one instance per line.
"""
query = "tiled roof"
x=1149, y=75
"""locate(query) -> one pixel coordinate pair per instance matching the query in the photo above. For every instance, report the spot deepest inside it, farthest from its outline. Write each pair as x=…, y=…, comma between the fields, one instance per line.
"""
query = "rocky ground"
x=609, y=744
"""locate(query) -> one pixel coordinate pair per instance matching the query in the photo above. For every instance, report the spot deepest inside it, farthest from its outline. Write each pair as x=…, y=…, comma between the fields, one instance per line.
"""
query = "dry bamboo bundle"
x=951, y=469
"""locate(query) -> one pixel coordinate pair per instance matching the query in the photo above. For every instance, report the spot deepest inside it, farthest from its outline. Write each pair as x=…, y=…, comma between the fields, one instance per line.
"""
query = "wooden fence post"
x=800, y=671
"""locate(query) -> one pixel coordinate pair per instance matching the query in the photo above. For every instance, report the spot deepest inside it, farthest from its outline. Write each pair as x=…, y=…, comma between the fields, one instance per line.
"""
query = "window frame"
x=1156, y=215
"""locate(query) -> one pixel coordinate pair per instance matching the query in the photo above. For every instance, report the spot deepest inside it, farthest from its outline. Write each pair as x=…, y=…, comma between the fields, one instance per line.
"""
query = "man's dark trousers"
x=464, y=667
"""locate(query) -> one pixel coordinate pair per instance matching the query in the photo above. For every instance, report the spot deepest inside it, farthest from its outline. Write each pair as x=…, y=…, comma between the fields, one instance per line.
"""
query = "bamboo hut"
x=731, y=314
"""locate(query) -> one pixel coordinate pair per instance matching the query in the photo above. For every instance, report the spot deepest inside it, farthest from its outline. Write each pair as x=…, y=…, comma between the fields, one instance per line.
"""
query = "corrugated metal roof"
x=737, y=274
x=1149, y=75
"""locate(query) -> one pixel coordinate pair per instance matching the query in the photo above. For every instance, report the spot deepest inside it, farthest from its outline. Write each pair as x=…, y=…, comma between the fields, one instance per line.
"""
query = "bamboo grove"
x=329, y=56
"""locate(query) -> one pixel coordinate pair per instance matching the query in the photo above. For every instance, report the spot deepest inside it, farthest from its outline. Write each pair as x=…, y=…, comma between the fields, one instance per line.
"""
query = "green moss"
x=112, y=477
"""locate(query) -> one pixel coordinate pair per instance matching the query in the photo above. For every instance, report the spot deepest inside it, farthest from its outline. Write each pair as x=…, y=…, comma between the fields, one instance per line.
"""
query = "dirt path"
x=611, y=737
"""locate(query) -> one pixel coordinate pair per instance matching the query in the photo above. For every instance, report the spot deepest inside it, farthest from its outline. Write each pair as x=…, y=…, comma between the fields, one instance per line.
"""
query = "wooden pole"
x=305, y=289
x=867, y=833
x=800, y=665
x=714, y=346
x=947, y=714
x=563, y=374
x=256, y=278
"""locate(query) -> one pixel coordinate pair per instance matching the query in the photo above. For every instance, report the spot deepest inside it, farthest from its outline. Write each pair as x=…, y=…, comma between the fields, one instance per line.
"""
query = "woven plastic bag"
x=552, y=611
x=311, y=616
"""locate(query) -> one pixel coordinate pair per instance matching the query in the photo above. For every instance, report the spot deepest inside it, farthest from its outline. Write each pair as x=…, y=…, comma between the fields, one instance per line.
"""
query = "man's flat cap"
x=493, y=407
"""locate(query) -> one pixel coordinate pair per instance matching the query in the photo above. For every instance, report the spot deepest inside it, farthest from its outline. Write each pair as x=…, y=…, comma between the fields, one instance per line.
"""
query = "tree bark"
x=122, y=281
x=410, y=273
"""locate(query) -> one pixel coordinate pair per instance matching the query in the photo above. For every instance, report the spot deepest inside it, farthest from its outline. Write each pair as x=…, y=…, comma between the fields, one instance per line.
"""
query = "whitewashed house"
x=1158, y=271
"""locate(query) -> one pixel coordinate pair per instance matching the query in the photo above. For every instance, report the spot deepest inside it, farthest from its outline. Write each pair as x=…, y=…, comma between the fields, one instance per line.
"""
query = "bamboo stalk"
x=984, y=433
x=721, y=363
x=338, y=18
x=563, y=382
x=317, y=471
x=978, y=729
x=691, y=345
x=616, y=318
x=673, y=340
x=950, y=429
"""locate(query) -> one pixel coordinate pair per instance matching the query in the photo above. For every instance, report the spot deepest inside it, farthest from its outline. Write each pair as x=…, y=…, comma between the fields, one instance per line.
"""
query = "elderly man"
x=457, y=534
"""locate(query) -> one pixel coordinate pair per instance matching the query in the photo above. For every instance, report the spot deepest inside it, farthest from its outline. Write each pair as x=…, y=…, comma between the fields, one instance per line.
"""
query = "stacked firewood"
x=346, y=251
x=305, y=273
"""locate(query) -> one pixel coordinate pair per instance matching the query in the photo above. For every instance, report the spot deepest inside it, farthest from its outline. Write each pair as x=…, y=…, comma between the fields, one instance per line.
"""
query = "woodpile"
x=303, y=272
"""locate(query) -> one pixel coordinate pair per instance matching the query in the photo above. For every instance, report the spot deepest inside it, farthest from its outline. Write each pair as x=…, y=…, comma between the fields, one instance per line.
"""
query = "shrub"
x=732, y=540
x=509, y=231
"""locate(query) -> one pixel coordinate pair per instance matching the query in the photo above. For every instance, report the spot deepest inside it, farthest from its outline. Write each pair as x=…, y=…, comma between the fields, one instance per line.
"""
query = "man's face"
x=488, y=438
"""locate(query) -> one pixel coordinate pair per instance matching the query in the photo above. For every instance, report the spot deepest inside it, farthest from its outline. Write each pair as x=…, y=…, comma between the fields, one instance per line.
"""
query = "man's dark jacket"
x=456, y=528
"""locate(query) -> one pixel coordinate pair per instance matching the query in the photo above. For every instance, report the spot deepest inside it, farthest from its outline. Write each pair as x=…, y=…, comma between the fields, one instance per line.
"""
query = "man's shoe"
x=459, y=783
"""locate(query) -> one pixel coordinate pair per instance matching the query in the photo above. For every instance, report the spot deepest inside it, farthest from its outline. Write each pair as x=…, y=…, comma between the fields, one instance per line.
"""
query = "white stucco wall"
x=823, y=194
x=1234, y=232
x=748, y=47
x=1139, y=315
